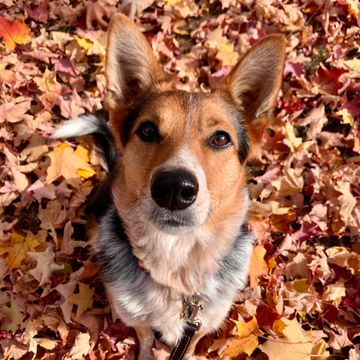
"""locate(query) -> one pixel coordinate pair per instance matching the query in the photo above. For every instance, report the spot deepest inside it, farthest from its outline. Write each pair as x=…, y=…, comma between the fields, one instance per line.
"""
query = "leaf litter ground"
x=303, y=297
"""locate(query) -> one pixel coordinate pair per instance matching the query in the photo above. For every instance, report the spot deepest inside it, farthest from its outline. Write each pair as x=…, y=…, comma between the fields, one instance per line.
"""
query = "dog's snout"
x=174, y=189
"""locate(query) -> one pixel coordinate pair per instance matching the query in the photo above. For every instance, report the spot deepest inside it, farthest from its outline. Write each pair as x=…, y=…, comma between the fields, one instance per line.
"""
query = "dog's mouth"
x=164, y=219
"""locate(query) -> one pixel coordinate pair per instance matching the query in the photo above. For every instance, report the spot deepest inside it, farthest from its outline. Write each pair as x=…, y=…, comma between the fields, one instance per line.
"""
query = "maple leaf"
x=335, y=292
x=13, y=314
x=66, y=306
x=258, y=265
x=67, y=163
x=80, y=348
x=296, y=343
x=15, y=110
x=14, y=32
x=247, y=339
x=17, y=250
x=83, y=299
x=346, y=116
x=39, y=12
x=45, y=265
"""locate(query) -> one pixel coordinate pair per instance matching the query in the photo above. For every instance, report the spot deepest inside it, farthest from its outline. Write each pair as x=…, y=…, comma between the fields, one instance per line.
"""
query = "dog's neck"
x=185, y=261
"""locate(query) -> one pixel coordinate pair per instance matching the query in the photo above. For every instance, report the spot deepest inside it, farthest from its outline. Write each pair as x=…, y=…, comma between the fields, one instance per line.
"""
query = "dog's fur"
x=151, y=256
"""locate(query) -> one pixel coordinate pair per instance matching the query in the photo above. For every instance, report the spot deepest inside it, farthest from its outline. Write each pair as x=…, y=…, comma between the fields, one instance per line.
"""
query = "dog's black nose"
x=174, y=189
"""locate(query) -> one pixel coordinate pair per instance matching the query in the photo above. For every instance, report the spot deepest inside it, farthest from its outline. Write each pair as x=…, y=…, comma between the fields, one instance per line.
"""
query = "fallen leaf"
x=17, y=250
x=258, y=265
x=45, y=265
x=15, y=110
x=80, y=348
x=83, y=299
x=14, y=32
x=335, y=292
x=14, y=316
x=67, y=163
x=296, y=343
x=247, y=339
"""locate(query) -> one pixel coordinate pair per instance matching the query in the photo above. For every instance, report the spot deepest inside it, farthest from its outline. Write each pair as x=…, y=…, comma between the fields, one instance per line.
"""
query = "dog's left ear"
x=131, y=67
x=255, y=81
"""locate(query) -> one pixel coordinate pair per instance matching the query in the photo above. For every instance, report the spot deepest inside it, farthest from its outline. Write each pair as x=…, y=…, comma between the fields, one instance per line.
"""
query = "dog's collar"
x=189, y=312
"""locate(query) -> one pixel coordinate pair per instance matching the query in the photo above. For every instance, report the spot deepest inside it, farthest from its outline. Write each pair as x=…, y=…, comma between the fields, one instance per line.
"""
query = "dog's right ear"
x=131, y=67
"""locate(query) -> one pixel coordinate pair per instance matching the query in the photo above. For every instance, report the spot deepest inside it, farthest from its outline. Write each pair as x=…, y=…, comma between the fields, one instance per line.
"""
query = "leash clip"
x=190, y=309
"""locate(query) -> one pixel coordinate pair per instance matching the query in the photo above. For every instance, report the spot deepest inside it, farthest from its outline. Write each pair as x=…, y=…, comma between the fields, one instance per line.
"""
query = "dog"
x=171, y=242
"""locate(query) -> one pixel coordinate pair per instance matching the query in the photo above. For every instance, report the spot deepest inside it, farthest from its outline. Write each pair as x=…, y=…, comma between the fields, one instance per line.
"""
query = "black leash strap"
x=191, y=307
x=180, y=348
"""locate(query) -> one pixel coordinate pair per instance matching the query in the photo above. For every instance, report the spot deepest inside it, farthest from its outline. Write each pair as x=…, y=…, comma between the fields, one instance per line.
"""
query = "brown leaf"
x=45, y=265
x=15, y=110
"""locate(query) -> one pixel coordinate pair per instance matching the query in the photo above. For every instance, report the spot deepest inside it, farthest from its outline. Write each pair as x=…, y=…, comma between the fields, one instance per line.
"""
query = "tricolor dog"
x=171, y=242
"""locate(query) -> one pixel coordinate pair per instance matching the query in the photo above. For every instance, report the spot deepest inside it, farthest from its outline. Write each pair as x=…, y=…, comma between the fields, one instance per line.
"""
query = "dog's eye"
x=148, y=132
x=220, y=140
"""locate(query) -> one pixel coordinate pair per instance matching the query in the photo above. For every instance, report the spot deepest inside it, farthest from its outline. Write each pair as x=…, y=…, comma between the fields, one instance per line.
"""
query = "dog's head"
x=183, y=153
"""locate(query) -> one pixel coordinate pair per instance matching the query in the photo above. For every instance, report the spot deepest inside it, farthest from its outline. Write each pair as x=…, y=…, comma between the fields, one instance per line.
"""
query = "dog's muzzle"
x=174, y=189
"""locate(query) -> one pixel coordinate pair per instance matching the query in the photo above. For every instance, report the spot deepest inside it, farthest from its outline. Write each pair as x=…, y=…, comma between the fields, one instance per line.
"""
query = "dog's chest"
x=139, y=300
x=176, y=261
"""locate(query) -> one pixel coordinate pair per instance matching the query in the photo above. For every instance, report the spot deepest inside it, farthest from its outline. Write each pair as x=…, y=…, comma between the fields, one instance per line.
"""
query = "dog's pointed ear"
x=255, y=81
x=131, y=67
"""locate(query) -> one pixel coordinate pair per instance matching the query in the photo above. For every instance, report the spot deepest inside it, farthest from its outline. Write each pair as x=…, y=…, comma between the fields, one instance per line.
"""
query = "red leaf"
x=14, y=32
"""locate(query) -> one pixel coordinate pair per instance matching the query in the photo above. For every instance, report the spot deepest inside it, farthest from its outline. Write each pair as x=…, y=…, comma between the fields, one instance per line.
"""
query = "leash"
x=190, y=309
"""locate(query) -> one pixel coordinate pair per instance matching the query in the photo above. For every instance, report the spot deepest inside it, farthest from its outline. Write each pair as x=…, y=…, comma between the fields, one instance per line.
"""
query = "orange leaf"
x=238, y=346
x=14, y=32
x=258, y=265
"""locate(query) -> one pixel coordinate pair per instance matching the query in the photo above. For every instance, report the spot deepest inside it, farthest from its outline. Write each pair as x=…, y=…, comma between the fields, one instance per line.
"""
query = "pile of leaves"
x=303, y=298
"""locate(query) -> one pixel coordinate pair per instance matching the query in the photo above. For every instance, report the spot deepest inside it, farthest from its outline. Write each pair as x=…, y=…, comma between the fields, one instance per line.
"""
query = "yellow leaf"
x=227, y=47
x=295, y=345
x=47, y=344
x=295, y=142
x=83, y=153
x=241, y=345
x=335, y=292
x=62, y=147
x=354, y=66
x=83, y=299
x=301, y=285
x=272, y=264
x=86, y=173
x=67, y=163
x=346, y=117
x=319, y=350
x=84, y=43
x=181, y=32
x=91, y=47
x=246, y=328
x=171, y=2
x=16, y=251
x=258, y=265
x=279, y=326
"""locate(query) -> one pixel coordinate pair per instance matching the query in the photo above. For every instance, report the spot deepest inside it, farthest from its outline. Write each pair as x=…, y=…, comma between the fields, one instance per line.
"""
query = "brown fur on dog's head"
x=188, y=127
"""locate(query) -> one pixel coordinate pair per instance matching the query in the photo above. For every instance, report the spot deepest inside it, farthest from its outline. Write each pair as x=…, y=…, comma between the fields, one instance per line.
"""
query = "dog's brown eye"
x=148, y=132
x=220, y=140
